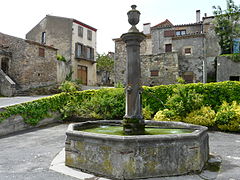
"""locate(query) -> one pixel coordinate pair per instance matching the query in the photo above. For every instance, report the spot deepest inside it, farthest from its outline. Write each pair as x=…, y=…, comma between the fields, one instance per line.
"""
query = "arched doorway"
x=5, y=64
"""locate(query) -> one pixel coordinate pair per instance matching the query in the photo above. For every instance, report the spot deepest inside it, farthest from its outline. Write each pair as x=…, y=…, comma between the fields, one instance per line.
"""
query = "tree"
x=105, y=64
x=227, y=25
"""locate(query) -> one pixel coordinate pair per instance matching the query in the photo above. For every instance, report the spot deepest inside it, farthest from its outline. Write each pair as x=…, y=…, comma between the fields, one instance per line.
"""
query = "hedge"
x=34, y=111
x=154, y=98
x=214, y=94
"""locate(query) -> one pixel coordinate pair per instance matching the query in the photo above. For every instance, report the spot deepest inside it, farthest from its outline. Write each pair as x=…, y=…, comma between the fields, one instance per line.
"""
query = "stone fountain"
x=136, y=155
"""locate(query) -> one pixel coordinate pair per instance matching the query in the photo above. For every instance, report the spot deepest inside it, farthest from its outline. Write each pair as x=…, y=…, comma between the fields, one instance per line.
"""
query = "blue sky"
x=108, y=16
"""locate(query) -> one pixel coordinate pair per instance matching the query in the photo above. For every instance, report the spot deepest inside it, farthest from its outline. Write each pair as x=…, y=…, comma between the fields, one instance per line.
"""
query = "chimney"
x=147, y=28
x=197, y=16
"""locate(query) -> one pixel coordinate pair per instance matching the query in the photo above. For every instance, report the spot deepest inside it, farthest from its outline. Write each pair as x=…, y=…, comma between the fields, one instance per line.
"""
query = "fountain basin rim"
x=198, y=130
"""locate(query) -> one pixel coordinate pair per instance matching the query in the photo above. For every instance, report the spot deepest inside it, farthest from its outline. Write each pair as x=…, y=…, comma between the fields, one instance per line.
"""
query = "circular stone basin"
x=133, y=157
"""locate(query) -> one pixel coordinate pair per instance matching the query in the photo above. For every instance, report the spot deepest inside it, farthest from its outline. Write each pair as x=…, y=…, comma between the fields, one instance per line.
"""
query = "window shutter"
x=76, y=50
x=169, y=33
x=154, y=73
x=92, y=53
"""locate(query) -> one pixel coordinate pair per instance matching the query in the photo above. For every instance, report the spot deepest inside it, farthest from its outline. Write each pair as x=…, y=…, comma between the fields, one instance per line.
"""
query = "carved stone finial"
x=133, y=18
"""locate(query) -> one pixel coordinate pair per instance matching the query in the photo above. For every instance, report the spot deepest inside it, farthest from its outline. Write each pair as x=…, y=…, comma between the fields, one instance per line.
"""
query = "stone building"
x=76, y=41
x=25, y=64
x=172, y=51
x=227, y=69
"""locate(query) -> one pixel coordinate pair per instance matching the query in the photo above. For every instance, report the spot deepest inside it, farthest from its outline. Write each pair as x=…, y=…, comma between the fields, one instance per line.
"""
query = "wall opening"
x=188, y=77
x=5, y=65
x=234, y=78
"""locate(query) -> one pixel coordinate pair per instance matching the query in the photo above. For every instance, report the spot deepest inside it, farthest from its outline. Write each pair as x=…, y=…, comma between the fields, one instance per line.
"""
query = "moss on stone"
x=69, y=160
x=79, y=146
x=130, y=167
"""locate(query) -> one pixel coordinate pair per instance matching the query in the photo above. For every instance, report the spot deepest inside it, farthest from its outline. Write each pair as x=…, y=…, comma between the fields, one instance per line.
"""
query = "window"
x=41, y=52
x=169, y=33
x=168, y=47
x=43, y=40
x=180, y=32
x=89, y=35
x=187, y=51
x=84, y=52
x=79, y=50
x=154, y=73
x=80, y=31
x=90, y=53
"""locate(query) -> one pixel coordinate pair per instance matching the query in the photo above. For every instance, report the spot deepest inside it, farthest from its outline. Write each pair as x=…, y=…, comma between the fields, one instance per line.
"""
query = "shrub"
x=184, y=101
x=213, y=94
x=107, y=103
x=69, y=86
x=166, y=115
x=147, y=113
x=228, y=117
x=180, y=80
x=204, y=116
x=61, y=58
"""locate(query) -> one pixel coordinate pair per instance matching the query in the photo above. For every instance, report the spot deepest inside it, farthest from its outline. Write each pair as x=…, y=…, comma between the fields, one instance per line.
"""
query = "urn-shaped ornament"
x=133, y=18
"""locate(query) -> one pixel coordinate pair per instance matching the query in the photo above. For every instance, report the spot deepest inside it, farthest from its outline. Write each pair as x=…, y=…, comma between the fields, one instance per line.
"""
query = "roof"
x=165, y=23
x=84, y=25
x=168, y=24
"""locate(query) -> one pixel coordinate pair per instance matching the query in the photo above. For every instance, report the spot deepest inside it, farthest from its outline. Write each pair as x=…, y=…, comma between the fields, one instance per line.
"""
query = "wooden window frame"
x=89, y=35
x=188, y=51
x=80, y=31
x=41, y=52
x=180, y=32
x=43, y=38
x=77, y=46
x=169, y=33
x=154, y=73
x=168, y=47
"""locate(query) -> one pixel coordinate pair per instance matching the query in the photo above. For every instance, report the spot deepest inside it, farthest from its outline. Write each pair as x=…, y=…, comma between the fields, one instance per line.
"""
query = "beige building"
x=76, y=41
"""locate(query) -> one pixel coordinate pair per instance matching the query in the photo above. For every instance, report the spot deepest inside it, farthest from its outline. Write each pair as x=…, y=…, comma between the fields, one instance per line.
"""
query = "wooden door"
x=82, y=74
x=188, y=77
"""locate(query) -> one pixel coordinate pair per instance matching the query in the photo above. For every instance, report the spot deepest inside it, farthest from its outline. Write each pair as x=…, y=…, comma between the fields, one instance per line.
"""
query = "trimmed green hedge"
x=109, y=103
x=214, y=94
x=34, y=111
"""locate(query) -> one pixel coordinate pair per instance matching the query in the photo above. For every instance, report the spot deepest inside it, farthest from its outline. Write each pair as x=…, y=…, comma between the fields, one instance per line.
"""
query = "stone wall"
x=16, y=123
x=190, y=62
x=166, y=64
x=27, y=68
x=59, y=35
x=227, y=69
x=7, y=86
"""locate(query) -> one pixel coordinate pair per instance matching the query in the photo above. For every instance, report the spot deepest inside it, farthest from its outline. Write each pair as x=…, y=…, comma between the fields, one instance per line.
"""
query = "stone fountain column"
x=133, y=122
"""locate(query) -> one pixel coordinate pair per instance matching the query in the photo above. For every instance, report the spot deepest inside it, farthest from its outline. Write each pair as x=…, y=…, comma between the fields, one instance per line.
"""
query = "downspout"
x=71, y=61
x=204, y=57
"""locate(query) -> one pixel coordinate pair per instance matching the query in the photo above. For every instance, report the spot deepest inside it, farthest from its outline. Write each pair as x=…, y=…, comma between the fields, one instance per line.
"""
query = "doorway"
x=188, y=77
x=5, y=65
x=82, y=74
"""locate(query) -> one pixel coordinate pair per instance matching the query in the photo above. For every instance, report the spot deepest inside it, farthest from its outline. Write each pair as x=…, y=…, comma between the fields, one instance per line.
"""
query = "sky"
x=17, y=17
